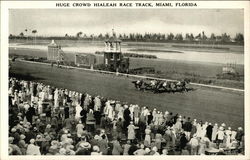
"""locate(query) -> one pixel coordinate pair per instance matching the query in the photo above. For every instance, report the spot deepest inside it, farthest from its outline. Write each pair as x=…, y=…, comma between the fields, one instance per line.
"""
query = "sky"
x=58, y=22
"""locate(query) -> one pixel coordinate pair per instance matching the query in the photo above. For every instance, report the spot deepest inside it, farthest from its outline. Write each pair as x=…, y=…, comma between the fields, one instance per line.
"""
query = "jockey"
x=178, y=83
x=153, y=82
x=165, y=83
x=138, y=81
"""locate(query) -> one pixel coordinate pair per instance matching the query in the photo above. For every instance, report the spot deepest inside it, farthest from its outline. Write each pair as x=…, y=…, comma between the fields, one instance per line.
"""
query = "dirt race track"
x=203, y=103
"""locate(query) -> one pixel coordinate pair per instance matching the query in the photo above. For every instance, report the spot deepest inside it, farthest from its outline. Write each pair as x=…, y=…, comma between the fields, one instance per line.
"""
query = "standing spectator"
x=131, y=131
x=33, y=149
x=214, y=132
x=119, y=126
x=194, y=143
x=187, y=127
x=183, y=141
x=220, y=136
x=103, y=144
x=140, y=151
x=117, y=149
x=209, y=131
x=126, y=148
x=147, y=140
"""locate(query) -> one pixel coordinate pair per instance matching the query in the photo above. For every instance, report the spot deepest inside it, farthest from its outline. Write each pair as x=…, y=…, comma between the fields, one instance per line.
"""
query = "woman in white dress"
x=204, y=129
x=199, y=130
x=215, y=130
x=228, y=133
x=78, y=111
x=79, y=129
x=131, y=131
x=147, y=140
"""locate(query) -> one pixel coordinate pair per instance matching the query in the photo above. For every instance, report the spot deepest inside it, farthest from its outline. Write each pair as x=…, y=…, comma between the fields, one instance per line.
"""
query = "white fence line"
x=136, y=76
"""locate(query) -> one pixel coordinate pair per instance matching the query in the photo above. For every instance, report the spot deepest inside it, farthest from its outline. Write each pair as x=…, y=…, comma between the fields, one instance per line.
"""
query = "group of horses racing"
x=159, y=86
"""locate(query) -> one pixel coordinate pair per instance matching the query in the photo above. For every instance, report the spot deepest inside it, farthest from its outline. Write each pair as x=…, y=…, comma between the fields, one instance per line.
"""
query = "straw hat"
x=53, y=150
x=221, y=128
x=147, y=150
x=13, y=130
x=47, y=138
x=96, y=148
x=10, y=150
x=54, y=143
x=62, y=151
x=96, y=137
x=32, y=141
x=11, y=139
x=85, y=145
x=22, y=136
x=154, y=149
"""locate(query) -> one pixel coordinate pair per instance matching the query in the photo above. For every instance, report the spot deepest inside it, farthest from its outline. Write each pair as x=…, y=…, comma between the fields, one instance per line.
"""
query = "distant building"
x=85, y=60
x=113, y=58
x=54, y=52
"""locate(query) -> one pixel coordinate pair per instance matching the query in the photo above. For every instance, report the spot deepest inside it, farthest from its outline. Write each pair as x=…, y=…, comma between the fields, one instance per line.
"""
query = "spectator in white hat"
x=33, y=149
x=220, y=135
x=214, y=132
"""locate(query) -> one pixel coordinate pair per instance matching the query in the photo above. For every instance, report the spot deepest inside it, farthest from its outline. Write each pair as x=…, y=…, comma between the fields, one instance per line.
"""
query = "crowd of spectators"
x=45, y=120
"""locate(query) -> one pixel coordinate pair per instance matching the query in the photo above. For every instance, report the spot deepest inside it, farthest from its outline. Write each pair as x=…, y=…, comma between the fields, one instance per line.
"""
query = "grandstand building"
x=113, y=58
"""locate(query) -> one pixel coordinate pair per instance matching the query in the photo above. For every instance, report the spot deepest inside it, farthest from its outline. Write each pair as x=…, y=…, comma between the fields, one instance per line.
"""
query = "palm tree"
x=21, y=34
x=78, y=35
x=26, y=30
x=34, y=32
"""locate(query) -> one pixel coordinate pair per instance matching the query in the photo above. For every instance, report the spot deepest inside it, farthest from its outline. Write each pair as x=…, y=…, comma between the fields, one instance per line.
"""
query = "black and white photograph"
x=126, y=82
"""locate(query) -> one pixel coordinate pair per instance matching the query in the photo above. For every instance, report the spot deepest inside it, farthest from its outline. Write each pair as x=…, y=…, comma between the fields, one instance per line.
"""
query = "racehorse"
x=138, y=84
x=142, y=85
x=158, y=86
x=163, y=86
x=181, y=85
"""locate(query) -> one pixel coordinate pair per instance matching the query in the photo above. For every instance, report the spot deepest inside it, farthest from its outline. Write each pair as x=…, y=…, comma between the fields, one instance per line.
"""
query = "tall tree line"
x=146, y=37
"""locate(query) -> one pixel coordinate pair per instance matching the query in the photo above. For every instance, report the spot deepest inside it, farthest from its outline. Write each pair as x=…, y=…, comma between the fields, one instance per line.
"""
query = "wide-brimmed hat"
x=13, y=130
x=54, y=143
x=223, y=125
x=39, y=137
x=147, y=150
x=10, y=150
x=53, y=150
x=47, y=138
x=32, y=141
x=155, y=148
x=96, y=148
x=96, y=137
x=85, y=145
x=62, y=151
x=11, y=139
x=22, y=136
